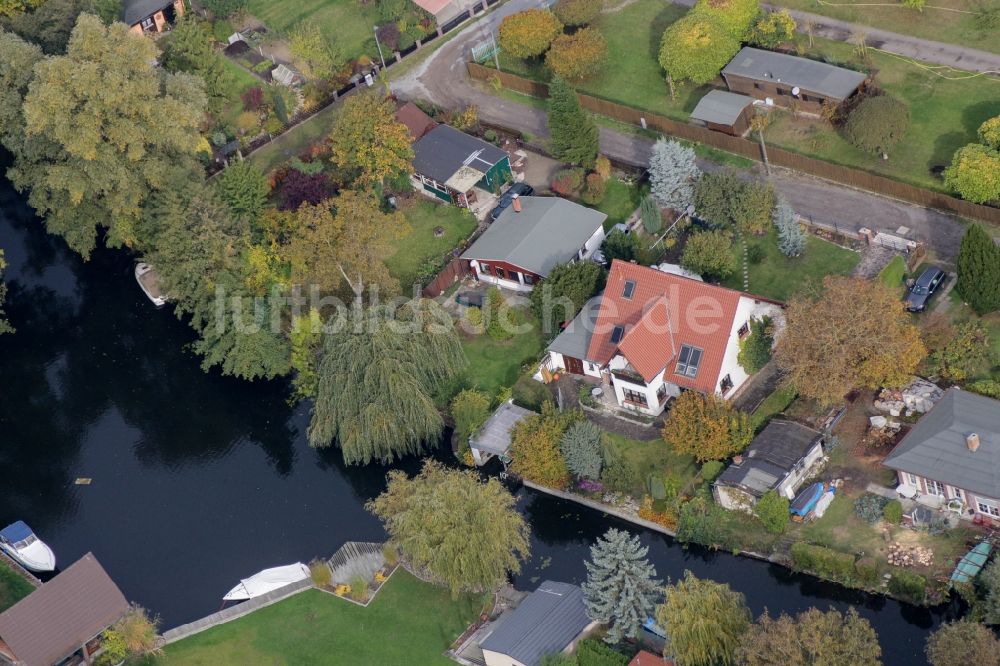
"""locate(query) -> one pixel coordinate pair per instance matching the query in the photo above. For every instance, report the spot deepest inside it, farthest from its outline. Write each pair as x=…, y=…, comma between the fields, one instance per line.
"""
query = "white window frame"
x=934, y=486
x=914, y=480
x=988, y=507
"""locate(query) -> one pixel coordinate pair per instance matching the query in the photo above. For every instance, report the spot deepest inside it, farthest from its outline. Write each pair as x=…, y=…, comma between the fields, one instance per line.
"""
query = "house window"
x=988, y=507
x=935, y=488
x=688, y=361
x=661, y=393
x=484, y=268
x=957, y=494
x=499, y=272
x=744, y=330
x=756, y=86
x=726, y=384
x=914, y=481
x=148, y=23
x=617, y=334
x=529, y=279
x=782, y=92
x=629, y=289
x=634, y=397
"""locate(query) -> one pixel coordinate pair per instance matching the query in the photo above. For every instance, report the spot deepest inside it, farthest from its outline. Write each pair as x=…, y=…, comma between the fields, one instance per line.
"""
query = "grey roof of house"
x=545, y=623
x=574, y=340
x=494, y=436
x=56, y=619
x=771, y=455
x=811, y=75
x=547, y=231
x=134, y=11
x=721, y=107
x=936, y=446
x=444, y=150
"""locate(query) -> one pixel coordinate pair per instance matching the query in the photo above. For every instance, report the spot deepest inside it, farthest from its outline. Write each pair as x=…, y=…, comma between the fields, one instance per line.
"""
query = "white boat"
x=267, y=580
x=149, y=282
x=18, y=541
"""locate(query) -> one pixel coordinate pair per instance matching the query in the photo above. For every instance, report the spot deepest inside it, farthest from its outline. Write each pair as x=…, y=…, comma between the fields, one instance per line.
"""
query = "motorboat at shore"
x=149, y=282
x=18, y=541
x=267, y=580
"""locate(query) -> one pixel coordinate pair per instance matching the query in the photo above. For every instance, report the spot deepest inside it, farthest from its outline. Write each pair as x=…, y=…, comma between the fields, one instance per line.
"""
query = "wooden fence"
x=857, y=178
x=454, y=271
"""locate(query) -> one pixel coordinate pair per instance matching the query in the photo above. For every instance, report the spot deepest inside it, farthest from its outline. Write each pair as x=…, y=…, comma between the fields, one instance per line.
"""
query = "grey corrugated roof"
x=442, y=151
x=575, y=338
x=545, y=623
x=134, y=11
x=771, y=455
x=936, y=448
x=810, y=75
x=494, y=436
x=721, y=107
x=547, y=231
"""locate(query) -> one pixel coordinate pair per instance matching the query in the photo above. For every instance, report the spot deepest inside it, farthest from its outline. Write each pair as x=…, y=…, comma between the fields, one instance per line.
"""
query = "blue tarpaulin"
x=806, y=500
x=15, y=532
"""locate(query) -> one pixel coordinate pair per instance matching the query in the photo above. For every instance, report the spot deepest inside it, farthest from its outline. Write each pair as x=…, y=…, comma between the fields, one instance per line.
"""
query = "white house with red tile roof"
x=656, y=333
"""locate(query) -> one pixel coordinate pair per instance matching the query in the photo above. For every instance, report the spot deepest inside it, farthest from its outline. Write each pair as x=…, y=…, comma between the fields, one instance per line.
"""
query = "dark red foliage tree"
x=297, y=188
x=388, y=34
x=253, y=99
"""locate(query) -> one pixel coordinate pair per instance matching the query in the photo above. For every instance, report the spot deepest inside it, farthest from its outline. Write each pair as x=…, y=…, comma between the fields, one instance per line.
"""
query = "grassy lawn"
x=348, y=21
x=652, y=458
x=408, y=622
x=780, y=277
x=894, y=273
x=295, y=140
x=938, y=21
x=495, y=364
x=620, y=201
x=238, y=80
x=420, y=246
x=13, y=588
x=945, y=107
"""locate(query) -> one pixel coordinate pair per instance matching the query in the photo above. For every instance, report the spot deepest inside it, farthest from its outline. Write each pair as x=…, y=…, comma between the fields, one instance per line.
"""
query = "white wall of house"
x=498, y=659
x=555, y=361
x=593, y=243
x=793, y=480
x=733, y=499
x=649, y=390
x=935, y=493
x=489, y=278
x=746, y=310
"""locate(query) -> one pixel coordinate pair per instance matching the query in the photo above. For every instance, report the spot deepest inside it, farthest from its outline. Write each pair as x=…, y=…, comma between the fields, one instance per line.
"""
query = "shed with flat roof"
x=493, y=439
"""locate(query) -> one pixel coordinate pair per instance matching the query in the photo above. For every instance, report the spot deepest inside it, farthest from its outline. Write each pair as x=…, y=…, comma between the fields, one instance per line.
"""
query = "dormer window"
x=617, y=334
x=629, y=289
x=688, y=361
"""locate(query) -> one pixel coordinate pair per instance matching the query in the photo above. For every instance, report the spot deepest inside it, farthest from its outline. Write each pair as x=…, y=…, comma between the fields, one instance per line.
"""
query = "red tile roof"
x=665, y=312
x=418, y=122
x=644, y=658
x=432, y=6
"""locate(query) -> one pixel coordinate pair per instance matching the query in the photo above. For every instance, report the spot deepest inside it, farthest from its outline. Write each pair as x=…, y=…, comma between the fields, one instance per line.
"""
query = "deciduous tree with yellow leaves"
x=528, y=34
x=577, y=56
x=367, y=140
x=695, y=49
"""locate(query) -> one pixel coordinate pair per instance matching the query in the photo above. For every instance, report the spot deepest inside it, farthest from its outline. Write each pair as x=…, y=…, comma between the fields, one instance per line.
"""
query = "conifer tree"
x=672, y=174
x=652, y=218
x=791, y=240
x=581, y=448
x=979, y=271
x=621, y=588
x=574, y=134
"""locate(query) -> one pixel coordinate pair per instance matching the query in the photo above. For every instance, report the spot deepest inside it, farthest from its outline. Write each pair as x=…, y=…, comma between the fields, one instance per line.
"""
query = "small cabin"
x=724, y=112
x=151, y=16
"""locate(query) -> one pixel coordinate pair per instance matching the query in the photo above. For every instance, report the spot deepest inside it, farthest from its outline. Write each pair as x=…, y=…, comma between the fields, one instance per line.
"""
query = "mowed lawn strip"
x=13, y=587
x=419, y=245
x=495, y=364
x=409, y=622
x=349, y=22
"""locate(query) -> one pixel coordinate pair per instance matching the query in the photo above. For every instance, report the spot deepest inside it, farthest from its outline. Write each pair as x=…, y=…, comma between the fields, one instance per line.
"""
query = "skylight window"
x=617, y=334
x=688, y=361
x=629, y=289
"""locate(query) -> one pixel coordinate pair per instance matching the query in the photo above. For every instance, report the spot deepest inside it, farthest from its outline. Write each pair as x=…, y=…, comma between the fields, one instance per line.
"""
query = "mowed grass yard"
x=945, y=114
x=409, y=622
x=419, y=245
x=349, y=22
x=13, y=587
x=655, y=458
x=495, y=364
x=779, y=277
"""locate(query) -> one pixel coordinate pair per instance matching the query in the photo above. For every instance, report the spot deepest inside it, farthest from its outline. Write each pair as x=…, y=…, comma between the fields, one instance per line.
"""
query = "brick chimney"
x=737, y=460
x=972, y=441
x=516, y=203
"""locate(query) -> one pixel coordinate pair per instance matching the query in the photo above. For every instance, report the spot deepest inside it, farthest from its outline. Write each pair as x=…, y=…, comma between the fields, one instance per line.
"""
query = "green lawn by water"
x=420, y=245
x=409, y=622
x=349, y=22
x=780, y=277
x=652, y=458
x=13, y=587
x=494, y=364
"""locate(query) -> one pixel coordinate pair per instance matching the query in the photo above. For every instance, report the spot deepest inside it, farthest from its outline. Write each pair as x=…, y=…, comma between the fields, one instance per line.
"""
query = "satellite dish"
x=795, y=91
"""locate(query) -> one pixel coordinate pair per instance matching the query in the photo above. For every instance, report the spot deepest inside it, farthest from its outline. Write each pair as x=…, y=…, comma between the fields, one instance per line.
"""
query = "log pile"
x=908, y=556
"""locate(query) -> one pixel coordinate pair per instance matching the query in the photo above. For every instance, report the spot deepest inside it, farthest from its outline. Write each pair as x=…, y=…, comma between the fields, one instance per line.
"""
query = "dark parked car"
x=520, y=189
x=922, y=290
x=470, y=298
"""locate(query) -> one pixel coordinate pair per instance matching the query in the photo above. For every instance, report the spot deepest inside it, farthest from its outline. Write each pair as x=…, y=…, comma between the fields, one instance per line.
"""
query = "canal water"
x=197, y=480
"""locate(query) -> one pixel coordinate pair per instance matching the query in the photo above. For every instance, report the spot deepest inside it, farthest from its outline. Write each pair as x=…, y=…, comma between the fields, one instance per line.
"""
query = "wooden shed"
x=724, y=112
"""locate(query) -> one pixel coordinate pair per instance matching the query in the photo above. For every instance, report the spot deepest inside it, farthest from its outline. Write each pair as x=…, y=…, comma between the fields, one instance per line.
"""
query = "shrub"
x=568, y=182
x=975, y=173
x=711, y=470
x=988, y=387
x=320, y=573
x=755, y=349
x=297, y=188
x=224, y=8
x=581, y=448
x=823, y=562
x=577, y=12
x=772, y=511
x=263, y=66
x=908, y=586
x=869, y=507
x=755, y=253
x=594, y=652
x=773, y=29
x=469, y=410
x=247, y=122
x=578, y=56
x=474, y=316
x=877, y=124
x=709, y=253
x=652, y=217
x=989, y=133
x=534, y=446
x=602, y=166
x=867, y=571
x=528, y=34
x=617, y=475
x=593, y=194
x=221, y=30
x=627, y=247
x=278, y=104
x=390, y=554
x=491, y=136
x=657, y=489
x=965, y=354
x=893, y=512
x=388, y=35
x=530, y=394
x=497, y=316
x=253, y=99
x=359, y=589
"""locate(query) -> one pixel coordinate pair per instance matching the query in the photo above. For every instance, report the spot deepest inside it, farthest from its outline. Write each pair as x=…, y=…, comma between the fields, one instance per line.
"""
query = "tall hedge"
x=979, y=270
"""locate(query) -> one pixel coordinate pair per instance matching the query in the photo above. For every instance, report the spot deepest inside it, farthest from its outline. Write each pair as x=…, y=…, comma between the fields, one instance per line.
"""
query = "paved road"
x=443, y=79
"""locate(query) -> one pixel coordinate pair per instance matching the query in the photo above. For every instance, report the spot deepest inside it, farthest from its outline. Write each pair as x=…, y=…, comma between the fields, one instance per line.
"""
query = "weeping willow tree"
x=464, y=532
x=376, y=382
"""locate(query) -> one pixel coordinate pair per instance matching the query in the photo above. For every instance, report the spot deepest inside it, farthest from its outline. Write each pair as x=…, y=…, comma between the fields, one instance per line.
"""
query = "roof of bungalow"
x=721, y=107
x=444, y=151
x=936, y=448
x=547, y=231
x=770, y=457
x=545, y=623
x=494, y=436
x=811, y=75
x=56, y=619
x=418, y=122
x=575, y=338
x=134, y=11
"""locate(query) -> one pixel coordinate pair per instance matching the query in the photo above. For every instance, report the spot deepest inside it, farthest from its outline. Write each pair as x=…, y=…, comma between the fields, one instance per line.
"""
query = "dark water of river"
x=199, y=480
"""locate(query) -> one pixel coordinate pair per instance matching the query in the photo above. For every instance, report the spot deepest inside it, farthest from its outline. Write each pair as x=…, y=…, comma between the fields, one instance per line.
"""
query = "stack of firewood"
x=908, y=556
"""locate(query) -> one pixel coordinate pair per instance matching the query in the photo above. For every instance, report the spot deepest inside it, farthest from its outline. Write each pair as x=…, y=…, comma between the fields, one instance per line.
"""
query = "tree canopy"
x=574, y=134
x=564, y=292
x=578, y=56
x=367, y=140
x=99, y=156
x=773, y=29
x=696, y=48
x=709, y=253
x=791, y=238
x=961, y=643
x=724, y=198
x=877, y=124
x=528, y=34
x=190, y=47
x=979, y=270
x=581, y=447
x=463, y=531
x=244, y=189
x=673, y=173
x=811, y=637
x=577, y=12
x=534, y=446
x=377, y=378
x=736, y=16
x=706, y=426
x=705, y=621
x=855, y=334
x=975, y=173
x=315, y=51
x=621, y=588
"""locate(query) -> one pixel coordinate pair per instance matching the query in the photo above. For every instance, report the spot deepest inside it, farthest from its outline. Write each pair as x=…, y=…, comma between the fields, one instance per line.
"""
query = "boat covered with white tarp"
x=267, y=580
